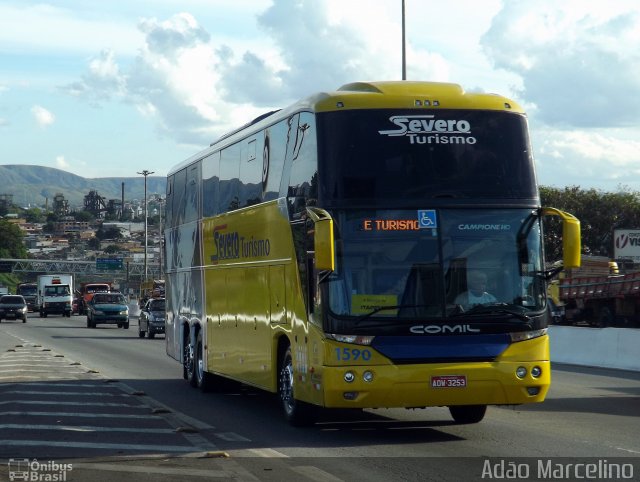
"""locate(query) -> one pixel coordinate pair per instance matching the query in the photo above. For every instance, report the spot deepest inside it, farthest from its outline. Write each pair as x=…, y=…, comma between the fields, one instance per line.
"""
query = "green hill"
x=33, y=185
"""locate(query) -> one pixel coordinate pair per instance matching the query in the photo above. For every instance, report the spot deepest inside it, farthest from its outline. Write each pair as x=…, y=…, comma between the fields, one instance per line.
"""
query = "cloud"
x=3, y=122
x=585, y=156
x=42, y=116
x=579, y=61
x=61, y=163
x=195, y=88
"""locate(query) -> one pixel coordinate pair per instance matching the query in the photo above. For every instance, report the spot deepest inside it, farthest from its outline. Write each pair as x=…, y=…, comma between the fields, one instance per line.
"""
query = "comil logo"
x=426, y=129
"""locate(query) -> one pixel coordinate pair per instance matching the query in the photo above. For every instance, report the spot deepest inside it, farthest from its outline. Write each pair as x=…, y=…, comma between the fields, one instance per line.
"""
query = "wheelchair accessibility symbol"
x=427, y=218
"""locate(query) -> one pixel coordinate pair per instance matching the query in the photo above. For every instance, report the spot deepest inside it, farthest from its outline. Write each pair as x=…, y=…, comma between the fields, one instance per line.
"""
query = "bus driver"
x=476, y=294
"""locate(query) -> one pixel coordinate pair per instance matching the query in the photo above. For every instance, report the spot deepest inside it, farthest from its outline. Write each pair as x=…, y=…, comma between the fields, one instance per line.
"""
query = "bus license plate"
x=449, y=381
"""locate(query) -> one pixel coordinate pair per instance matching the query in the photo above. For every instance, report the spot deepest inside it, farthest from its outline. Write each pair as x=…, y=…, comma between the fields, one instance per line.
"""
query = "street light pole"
x=161, y=200
x=145, y=173
x=404, y=54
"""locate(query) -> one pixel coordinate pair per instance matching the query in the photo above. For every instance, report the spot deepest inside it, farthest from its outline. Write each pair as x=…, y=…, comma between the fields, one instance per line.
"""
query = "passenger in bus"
x=476, y=293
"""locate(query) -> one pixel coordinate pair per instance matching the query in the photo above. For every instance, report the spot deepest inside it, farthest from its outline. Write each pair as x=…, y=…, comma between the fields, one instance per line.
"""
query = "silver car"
x=152, y=318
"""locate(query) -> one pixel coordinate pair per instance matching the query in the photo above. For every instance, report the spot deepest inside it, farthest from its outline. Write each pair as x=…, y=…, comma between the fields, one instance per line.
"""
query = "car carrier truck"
x=600, y=296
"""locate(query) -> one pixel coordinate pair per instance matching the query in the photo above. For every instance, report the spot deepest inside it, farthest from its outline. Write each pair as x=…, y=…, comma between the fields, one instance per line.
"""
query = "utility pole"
x=404, y=53
x=145, y=173
x=161, y=200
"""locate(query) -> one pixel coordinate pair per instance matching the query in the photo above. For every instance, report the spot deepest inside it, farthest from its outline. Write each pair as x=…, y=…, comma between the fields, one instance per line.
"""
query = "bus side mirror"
x=323, y=244
x=570, y=237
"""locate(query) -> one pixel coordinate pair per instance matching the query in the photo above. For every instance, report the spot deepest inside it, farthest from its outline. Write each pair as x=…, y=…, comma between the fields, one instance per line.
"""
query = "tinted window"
x=178, y=202
x=192, y=194
x=229, y=179
x=251, y=172
x=210, y=168
x=450, y=154
x=12, y=299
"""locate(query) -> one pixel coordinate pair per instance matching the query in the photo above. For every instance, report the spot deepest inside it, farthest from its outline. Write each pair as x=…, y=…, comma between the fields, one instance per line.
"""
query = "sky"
x=108, y=89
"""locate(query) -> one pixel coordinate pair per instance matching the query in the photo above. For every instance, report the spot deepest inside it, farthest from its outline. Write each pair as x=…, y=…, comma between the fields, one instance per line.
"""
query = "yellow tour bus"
x=376, y=246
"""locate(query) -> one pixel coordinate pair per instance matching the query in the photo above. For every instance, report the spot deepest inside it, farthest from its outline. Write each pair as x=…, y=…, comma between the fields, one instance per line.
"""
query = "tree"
x=112, y=232
x=599, y=214
x=11, y=241
x=34, y=215
x=112, y=249
x=84, y=216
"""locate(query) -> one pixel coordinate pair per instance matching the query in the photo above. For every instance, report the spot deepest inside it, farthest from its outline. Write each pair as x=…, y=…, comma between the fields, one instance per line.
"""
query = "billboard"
x=626, y=244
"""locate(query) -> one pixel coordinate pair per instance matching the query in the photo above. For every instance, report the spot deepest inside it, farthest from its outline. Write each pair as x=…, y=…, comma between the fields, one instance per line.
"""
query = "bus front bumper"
x=479, y=383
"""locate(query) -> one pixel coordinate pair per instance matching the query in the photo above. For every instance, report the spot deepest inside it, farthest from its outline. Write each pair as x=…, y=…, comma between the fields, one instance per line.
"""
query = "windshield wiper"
x=493, y=309
x=385, y=308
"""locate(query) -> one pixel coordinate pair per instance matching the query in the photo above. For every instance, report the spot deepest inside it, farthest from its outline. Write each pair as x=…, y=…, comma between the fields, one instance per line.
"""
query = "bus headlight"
x=521, y=372
x=349, y=377
x=367, y=376
x=536, y=372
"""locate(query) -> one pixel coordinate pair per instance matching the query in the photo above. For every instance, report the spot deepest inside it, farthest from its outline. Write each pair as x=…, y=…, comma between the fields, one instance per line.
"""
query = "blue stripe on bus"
x=484, y=347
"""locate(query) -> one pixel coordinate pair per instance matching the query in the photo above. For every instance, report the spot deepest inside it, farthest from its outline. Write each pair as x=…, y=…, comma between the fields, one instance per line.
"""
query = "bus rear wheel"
x=297, y=413
x=190, y=363
x=204, y=381
x=467, y=413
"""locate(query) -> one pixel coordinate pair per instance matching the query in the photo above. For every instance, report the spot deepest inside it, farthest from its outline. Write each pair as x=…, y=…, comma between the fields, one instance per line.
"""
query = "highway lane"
x=589, y=413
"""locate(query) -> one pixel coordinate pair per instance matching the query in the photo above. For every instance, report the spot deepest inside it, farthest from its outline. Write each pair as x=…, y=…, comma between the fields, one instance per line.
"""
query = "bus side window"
x=179, y=197
x=303, y=180
x=192, y=195
x=169, y=200
x=229, y=179
x=251, y=172
x=210, y=174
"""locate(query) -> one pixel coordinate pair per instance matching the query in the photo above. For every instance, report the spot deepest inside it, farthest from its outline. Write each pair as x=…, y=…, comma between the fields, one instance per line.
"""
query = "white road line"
x=76, y=415
x=233, y=470
x=268, y=453
x=57, y=385
x=231, y=437
x=85, y=428
x=93, y=445
x=314, y=473
x=44, y=392
x=81, y=404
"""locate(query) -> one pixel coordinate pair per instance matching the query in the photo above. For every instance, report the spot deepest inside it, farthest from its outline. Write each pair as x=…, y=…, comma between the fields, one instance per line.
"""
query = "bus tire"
x=467, y=413
x=605, y=317
x=297, y=413
x=204, y=381
x=190, y=363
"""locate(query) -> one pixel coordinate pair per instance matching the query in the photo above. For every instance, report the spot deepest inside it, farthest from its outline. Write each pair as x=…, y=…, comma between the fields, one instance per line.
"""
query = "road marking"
x=80, y=404
x=231, y=437
x=628, y=450
x=85, y=428
x=77, y=414
x=44, y=392
x=233, y=470
x=93, y=445
x=314, y=473
x=268, y=453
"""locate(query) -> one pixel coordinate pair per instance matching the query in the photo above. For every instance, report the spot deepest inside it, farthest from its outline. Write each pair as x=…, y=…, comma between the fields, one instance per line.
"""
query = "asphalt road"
x=108, y=402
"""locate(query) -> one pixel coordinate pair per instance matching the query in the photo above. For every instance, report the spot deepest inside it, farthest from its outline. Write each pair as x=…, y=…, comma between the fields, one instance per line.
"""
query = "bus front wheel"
x=296, y=412
x=467, y=413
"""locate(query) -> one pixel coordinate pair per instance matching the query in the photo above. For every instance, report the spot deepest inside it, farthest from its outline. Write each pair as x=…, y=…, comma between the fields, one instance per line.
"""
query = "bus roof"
x=399, y=94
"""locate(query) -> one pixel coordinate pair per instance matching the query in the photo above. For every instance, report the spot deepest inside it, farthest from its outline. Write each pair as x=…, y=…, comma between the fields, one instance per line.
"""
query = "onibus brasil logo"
x=32, y=470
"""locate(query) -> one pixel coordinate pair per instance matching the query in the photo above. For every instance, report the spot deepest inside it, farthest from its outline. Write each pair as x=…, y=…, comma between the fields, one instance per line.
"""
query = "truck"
x=55, y=294
x=600, y=295
x=29, y=292
x=86, y=292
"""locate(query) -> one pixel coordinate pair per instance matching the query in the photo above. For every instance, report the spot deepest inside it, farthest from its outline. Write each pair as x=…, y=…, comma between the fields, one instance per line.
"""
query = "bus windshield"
x=386, y=157
x=436, y=263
